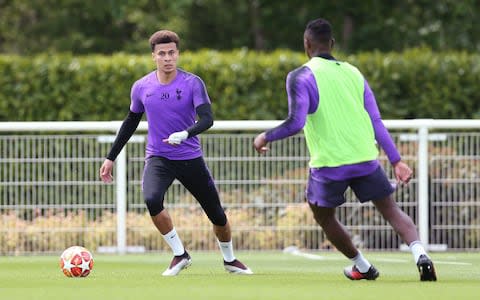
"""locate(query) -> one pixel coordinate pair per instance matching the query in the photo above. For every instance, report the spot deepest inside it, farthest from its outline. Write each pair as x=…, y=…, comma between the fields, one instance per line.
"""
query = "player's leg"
x=376, y=187
x=323, y=196
x=197, y=180
x=224, y=240
x=340, y=238
x=406, y=229
x=399, y=220
x=157, y=177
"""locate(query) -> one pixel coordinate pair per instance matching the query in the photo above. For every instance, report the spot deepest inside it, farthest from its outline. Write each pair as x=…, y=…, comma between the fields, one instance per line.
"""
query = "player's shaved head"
x=319, y=31
x=318, y=37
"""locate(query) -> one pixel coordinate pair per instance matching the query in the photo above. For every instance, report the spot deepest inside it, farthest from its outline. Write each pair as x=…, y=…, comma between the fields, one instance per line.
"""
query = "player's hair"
x=319, y=30
x=164, y=37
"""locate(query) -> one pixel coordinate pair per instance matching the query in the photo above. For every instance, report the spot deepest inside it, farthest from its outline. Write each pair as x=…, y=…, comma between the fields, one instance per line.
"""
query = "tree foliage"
x=88, y=26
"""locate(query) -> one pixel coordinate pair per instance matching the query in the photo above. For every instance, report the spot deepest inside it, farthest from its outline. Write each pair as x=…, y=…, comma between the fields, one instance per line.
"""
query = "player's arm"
x=125, y=132
x=381, y=133
x=203, y=109
x=403, y=173
x=205, y=120
x=299, y=92
x=127, y=129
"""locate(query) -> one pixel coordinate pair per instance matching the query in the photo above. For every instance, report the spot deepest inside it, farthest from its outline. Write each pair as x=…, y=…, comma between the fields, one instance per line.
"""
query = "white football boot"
x=236, y=267
x=178, y=264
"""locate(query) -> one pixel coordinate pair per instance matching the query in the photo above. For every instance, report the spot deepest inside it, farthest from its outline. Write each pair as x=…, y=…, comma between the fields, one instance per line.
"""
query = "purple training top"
x=303, y=99
x=169, y=108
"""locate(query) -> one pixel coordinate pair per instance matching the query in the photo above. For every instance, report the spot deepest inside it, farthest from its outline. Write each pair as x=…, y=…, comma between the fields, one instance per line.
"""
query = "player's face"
x=165, y=56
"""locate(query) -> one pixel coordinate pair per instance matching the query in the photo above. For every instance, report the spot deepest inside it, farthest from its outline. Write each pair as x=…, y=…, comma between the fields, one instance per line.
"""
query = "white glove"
x=177, y=137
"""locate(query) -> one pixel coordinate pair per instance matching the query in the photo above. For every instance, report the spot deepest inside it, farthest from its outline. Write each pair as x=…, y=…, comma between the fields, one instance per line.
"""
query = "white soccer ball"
x=76, y=261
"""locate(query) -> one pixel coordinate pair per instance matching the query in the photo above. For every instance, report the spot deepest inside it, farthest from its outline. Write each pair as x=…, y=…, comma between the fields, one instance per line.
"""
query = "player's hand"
x=177, y=138
x=260, y=143
x=106, y=171
x=403, y=173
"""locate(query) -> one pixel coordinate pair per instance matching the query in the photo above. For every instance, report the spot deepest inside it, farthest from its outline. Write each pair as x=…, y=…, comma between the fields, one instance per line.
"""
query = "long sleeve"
x=127, y=129
x=302, y=99
x=381, y=133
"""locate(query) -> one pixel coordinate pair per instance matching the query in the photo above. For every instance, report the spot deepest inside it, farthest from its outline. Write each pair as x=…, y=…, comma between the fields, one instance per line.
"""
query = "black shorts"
x=159, y=173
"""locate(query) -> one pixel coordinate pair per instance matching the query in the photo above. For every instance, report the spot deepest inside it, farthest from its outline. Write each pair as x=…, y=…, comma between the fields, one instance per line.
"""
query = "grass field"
x=277, y=276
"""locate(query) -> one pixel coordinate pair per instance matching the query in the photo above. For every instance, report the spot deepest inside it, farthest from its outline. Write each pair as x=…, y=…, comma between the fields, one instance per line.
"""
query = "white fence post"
x=121, y=190
x=422, y=175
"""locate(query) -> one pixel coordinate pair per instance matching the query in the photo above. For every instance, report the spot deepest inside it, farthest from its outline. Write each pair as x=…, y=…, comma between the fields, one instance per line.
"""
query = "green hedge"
x=242, y=84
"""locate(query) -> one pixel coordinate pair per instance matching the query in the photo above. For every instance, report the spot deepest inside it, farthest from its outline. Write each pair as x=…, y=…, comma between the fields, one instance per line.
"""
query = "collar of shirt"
x=326, y=56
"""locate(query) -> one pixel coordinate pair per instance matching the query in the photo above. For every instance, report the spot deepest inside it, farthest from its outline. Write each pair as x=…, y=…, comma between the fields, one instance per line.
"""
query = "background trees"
x=420, y=56
x=89, y=26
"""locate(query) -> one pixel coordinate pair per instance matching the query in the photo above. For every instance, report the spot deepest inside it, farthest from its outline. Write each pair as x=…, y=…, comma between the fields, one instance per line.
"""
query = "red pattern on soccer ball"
x=76, y=261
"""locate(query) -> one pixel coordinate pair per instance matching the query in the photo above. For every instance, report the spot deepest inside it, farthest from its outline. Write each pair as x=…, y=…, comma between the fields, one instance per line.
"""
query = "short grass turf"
x=277, y=276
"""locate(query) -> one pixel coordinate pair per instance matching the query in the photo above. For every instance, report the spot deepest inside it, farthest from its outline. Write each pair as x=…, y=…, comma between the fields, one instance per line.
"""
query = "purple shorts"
x=325, y=192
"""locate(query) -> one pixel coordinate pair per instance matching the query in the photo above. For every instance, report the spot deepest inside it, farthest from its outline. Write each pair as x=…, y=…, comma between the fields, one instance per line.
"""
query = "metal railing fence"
x=51, y=196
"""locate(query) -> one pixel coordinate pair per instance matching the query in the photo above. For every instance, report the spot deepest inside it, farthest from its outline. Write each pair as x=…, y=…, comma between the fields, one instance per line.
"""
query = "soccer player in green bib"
x=334, y=105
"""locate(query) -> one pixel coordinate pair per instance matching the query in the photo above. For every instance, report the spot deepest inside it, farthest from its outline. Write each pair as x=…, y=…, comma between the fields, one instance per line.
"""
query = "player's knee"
x=154, y=203
x=218, y=218
x=323, y=216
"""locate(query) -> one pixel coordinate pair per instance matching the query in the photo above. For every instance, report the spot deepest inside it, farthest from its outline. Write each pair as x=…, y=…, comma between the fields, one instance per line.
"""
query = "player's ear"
x=332, y=43
x=153, y=56
x=307, y=46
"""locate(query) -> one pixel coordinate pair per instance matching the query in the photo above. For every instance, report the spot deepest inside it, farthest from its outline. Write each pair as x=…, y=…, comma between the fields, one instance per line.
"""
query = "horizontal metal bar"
x=231, y=125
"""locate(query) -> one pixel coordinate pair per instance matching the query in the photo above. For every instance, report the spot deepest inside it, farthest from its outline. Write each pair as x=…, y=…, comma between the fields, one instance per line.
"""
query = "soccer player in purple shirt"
x=335, y=106
x=172, y=98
